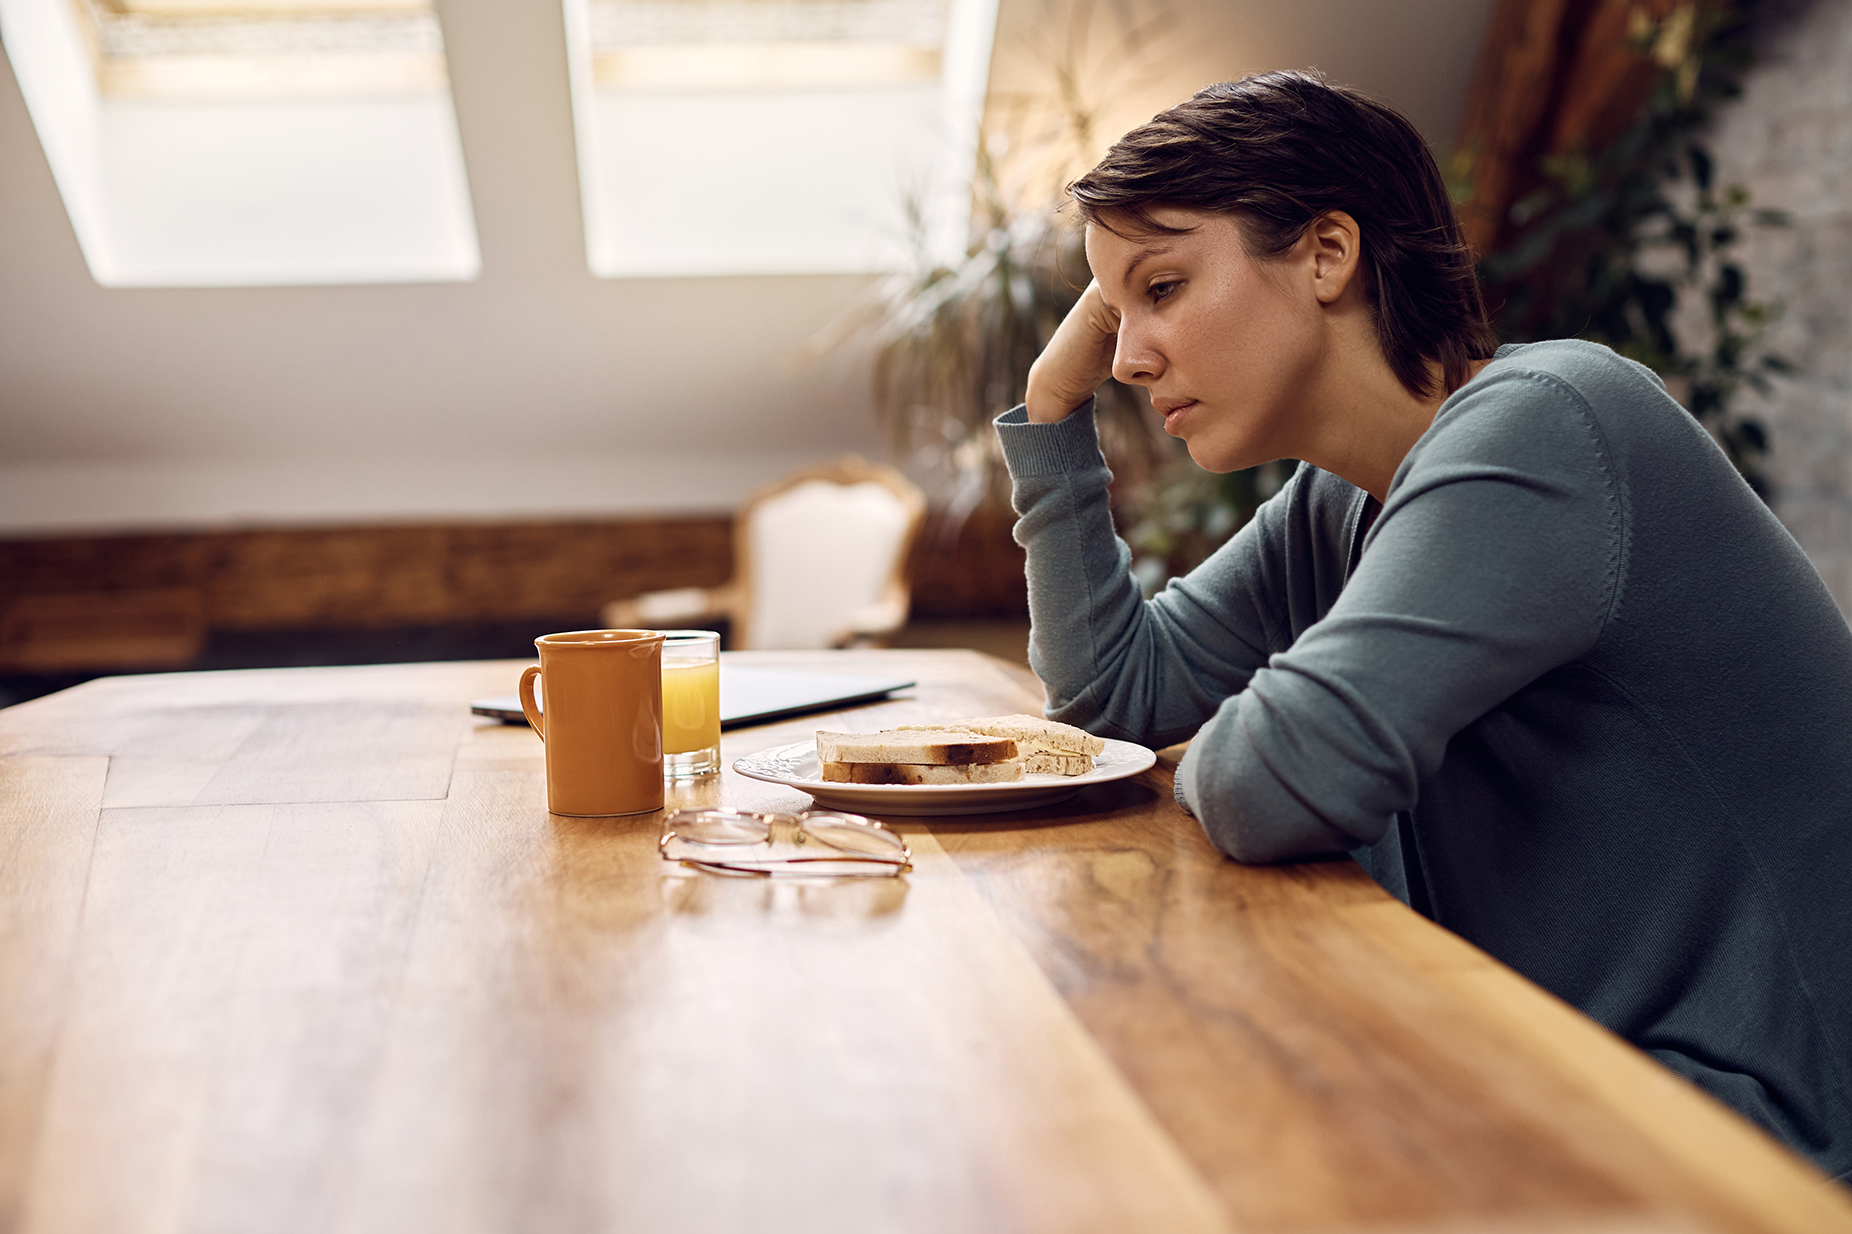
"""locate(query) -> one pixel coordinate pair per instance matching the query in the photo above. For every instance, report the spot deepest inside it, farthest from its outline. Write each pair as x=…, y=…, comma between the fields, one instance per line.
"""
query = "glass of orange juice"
x=690, y=703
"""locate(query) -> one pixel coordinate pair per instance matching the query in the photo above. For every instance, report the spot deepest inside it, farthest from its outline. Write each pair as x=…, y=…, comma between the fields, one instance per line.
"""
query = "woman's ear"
x=1337, y=249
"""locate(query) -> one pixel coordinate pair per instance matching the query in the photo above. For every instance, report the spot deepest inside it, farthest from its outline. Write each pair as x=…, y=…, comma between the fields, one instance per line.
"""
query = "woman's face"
x=1226, y=344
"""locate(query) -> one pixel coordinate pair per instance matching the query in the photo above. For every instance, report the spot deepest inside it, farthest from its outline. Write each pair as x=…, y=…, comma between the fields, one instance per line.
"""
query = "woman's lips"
x=1173, y=411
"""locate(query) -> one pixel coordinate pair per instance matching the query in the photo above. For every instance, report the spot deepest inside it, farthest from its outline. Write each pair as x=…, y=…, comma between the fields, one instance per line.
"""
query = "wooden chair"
x=820, y=560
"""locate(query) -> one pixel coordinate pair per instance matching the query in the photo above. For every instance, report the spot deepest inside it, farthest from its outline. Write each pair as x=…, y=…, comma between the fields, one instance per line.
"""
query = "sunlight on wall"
x=220, y=187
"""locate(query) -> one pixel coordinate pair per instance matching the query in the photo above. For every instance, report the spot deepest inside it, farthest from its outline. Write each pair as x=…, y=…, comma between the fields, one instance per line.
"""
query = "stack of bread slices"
x=990, y=750
x=1048, y=747
x=904, y=756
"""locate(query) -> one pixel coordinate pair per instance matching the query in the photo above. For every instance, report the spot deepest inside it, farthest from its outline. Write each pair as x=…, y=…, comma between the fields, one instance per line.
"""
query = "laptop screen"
x=753, y=695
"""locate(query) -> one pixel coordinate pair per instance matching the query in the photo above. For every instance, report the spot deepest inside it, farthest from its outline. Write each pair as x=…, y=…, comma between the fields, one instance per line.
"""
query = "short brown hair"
x=1276, y=151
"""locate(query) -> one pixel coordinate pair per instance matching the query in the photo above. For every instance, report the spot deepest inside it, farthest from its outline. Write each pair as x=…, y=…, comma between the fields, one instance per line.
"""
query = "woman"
x=1515, y=634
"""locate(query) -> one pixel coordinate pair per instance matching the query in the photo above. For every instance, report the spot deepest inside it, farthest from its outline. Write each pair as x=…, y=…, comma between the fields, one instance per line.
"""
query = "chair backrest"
x=821, y=551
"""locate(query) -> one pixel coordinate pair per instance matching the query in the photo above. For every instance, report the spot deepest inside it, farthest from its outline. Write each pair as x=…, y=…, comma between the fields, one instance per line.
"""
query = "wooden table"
x=302, y=950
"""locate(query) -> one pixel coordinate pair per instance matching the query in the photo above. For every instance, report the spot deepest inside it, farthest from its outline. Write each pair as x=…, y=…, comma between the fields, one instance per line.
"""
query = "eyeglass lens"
x=844, y=833
x=721, y=827
x=853, y=836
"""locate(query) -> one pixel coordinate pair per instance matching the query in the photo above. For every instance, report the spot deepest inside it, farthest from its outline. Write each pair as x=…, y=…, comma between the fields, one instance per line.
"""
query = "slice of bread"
x=1053, y=763
x=1006, y=772
x=1048, y=747
x=943, y=747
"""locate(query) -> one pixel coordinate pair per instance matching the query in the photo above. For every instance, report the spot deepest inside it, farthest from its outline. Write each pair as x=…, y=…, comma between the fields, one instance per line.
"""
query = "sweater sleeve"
x=1112, y=662
x=1323, y=701
x=1496, y=558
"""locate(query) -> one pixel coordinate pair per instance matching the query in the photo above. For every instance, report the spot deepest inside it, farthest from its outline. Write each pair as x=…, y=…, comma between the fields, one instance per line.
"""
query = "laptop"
x=753, y=695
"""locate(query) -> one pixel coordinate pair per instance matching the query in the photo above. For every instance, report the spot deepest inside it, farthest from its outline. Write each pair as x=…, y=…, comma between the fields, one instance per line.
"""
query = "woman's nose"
x=1135, y=362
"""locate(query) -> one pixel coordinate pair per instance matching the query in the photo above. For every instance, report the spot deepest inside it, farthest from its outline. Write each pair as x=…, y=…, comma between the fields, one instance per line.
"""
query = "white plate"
x=795, y=765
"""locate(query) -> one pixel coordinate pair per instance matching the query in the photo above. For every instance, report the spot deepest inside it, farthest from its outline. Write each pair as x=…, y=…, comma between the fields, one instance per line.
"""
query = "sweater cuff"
x=1183, y=780
x=1068, y=445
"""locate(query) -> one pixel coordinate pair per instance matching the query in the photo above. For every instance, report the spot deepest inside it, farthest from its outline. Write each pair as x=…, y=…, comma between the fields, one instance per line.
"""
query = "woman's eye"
x=1162, y=291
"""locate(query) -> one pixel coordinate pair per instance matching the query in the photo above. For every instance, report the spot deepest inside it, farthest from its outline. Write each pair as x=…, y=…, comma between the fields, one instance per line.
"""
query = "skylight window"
x=765, y=44
x=206, y=48
x=248, y=142
x=774, y=136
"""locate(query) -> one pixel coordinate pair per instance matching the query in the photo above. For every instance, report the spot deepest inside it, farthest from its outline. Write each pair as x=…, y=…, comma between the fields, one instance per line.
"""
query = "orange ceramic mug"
x=603, y=722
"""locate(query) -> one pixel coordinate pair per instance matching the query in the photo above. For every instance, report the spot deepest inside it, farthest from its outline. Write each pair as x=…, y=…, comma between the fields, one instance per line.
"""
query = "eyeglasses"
x=752, y=843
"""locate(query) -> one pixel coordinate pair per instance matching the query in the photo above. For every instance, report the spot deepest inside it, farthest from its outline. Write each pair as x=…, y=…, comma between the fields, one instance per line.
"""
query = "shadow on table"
x=696, y=893
x=1094, y=803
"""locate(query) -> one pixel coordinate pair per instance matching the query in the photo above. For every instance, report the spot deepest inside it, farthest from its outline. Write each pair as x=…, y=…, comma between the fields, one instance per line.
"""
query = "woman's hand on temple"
x=1077, y=359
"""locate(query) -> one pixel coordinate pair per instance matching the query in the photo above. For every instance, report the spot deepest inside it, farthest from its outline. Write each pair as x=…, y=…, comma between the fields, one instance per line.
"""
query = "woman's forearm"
x=1111, y=662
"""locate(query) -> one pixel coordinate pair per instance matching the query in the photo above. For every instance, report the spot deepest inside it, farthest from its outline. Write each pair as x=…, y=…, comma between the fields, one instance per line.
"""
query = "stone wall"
x=1789, y=141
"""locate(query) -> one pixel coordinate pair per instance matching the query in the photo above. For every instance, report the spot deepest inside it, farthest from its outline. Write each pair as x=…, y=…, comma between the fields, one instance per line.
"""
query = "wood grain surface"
x=48, y=818
x=302, y=950
x=1553, y=77
x=114, y=602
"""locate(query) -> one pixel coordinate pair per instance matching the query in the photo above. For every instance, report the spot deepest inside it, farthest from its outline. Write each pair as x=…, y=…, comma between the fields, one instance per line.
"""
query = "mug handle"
x=528, y=706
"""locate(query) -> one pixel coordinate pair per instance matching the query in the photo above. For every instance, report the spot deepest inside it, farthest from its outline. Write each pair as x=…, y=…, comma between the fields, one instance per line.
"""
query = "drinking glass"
x=690, y=703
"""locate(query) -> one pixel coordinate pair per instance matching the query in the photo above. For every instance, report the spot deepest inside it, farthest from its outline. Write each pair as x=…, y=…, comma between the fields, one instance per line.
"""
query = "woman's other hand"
x=1077, y=359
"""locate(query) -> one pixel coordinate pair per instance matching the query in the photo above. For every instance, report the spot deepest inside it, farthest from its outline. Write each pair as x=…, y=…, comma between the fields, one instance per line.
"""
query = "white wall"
x=152, y=408
x=1789, y=140
x=1417, y=55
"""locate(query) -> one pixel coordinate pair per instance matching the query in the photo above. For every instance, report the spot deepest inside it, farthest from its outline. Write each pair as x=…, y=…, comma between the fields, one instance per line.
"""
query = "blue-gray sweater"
x=1573, y=693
